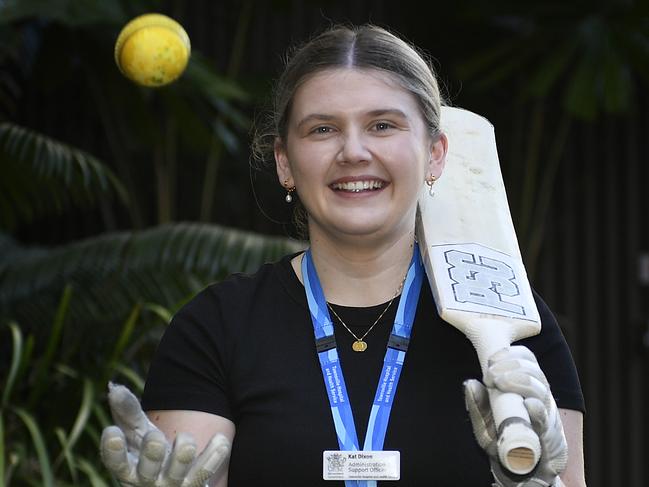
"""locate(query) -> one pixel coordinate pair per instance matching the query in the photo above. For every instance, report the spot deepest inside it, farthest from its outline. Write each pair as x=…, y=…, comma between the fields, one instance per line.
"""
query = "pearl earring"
x=289, y=190
x=430, y=180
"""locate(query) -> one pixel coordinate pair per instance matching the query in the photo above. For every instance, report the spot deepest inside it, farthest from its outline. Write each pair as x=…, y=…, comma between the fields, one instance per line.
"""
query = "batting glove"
x=515, y=369
x=138, y=454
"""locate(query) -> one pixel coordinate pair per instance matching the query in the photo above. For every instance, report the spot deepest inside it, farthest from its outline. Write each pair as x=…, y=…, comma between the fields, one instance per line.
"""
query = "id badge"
x=361, y=465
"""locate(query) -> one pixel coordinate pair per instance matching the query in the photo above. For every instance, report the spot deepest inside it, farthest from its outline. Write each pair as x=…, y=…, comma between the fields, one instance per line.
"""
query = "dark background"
x=565, y=84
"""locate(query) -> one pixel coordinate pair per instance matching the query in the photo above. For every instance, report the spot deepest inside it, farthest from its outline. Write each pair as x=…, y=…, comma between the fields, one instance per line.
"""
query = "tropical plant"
x=111, y=272
x=567, y=63
x=53, y=409
x=53, y=45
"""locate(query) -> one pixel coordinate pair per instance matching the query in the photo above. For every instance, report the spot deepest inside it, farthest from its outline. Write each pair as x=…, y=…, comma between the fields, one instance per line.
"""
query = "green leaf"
x=41, y=380
x=91, y=472
x=26, y=361
x=101, y=415
x=67, y=371
x=135, y=379
x=16, y=356
x=83, y=414
x=67, y=454
x=123, y=340
x=38, y=441
x=160, y=311
x=42, y=175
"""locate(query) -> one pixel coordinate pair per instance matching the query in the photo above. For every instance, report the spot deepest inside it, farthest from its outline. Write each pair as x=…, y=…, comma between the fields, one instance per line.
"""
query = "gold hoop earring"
x=289, y=189
x=430, y=180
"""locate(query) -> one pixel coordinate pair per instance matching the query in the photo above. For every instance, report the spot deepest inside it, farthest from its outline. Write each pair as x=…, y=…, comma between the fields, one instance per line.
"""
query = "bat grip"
x=519, y=448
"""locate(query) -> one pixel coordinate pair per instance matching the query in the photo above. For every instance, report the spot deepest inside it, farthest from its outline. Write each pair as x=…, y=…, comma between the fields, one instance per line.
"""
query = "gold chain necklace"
x=360, y=345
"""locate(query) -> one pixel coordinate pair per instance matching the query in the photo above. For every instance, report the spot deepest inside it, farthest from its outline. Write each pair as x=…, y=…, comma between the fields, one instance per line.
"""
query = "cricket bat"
x=474, y=266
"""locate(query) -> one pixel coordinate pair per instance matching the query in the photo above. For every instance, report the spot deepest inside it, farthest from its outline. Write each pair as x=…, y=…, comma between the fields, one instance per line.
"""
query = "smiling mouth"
x=358, y=186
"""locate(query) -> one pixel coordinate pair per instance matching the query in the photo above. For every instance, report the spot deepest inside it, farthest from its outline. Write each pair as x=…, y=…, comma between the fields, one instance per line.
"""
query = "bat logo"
x=482, y=280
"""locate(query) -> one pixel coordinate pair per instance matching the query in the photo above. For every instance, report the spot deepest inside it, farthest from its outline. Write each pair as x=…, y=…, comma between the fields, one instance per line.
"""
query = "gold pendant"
x=359, y=346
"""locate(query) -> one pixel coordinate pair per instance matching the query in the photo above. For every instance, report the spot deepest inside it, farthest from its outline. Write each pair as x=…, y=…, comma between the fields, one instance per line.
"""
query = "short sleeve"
x=188, y=371
x=555, y=359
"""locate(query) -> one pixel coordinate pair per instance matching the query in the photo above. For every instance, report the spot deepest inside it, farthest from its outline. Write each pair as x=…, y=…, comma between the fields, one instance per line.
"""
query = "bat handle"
x=519, y=448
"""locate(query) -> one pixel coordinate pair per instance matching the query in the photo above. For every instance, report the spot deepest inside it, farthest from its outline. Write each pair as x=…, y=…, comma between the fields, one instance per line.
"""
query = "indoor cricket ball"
x=152, y=50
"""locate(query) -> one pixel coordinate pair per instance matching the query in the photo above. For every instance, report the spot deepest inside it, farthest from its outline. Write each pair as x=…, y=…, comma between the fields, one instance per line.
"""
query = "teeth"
x=358, y=186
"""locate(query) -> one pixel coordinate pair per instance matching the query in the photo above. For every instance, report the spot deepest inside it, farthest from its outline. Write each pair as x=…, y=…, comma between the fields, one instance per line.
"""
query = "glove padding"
x=137, y=453
x=515, y=369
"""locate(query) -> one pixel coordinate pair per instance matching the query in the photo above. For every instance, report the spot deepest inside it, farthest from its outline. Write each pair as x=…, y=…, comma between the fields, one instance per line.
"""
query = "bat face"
x=472, y=260
x=467, y=237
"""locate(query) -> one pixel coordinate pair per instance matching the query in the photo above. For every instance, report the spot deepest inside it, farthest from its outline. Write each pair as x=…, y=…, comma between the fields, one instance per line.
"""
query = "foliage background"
x=118, y=203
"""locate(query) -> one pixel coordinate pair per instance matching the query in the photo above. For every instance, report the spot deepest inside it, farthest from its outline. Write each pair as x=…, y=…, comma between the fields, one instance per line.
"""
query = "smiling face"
x=357, y=149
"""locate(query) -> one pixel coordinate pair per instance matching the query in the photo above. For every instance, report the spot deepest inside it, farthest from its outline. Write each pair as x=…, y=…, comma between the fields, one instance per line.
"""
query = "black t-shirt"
x=244, y=349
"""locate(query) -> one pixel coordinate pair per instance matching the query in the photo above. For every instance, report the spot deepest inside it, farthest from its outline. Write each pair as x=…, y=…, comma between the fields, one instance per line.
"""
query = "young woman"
x=269, y=360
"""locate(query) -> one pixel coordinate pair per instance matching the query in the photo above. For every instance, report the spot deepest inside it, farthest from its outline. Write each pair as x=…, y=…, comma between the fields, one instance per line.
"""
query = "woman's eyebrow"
x=312, y=117
x=379, y=112
x=387, y=111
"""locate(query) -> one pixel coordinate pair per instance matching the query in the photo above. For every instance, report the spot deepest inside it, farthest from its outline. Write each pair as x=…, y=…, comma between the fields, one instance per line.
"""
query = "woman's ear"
x=282, y=165
x=438, y=151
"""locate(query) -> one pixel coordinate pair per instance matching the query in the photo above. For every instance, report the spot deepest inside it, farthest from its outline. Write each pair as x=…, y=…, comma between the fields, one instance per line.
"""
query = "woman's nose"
x=354, y=149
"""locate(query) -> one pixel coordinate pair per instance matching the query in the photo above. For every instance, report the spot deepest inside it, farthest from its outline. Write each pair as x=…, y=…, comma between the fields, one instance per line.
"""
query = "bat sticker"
x=480, y=280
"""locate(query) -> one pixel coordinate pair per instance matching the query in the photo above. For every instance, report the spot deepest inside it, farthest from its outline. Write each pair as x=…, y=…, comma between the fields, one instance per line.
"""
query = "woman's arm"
x=573, y=475
x=202, y=426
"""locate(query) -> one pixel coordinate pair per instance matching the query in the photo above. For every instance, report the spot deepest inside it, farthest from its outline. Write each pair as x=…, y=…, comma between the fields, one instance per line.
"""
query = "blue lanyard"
x=392, y=363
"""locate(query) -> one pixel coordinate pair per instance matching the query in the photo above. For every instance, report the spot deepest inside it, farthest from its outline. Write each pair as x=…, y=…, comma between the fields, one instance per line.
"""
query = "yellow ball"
x=152, y=50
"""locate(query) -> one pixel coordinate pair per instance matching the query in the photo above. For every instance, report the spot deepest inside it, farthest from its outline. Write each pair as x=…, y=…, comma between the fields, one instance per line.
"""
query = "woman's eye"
x=321, y=130
x=380, y=126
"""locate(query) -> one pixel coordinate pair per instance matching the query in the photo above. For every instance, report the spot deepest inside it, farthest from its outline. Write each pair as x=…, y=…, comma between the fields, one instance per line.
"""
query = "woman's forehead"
x=349, y=88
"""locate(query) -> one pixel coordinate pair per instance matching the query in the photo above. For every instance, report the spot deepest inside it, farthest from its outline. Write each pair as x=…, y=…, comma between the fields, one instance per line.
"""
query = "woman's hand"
x=137, y=453
x=516, y=370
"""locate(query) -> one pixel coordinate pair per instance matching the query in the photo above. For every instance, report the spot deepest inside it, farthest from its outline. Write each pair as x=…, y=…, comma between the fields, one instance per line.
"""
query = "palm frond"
x=41, y=175
x=112, y=272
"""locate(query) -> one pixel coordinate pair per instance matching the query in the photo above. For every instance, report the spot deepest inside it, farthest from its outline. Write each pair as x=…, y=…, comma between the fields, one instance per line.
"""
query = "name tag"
x=361, y=465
